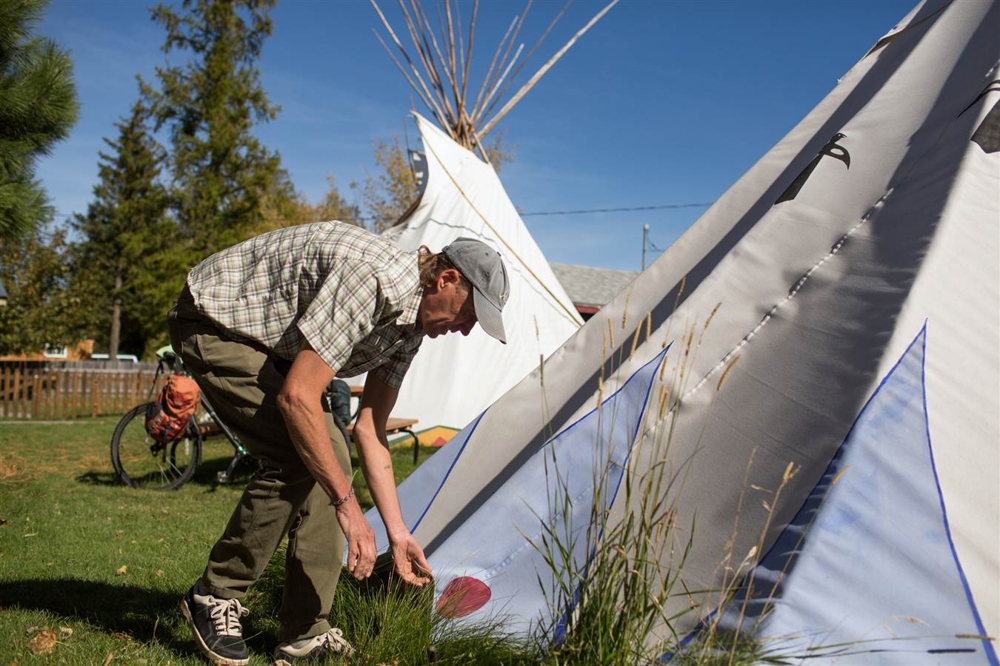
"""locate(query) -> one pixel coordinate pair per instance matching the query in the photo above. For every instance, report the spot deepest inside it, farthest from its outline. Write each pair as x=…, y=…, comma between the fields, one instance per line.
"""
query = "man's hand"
x=360, y=539
x=409, y=561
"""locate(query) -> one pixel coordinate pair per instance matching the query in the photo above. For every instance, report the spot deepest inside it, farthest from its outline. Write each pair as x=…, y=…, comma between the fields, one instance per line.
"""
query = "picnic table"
x=393, y=426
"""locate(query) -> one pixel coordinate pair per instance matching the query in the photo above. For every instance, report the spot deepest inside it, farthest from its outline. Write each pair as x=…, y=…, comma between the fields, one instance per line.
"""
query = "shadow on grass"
x=143, y=615
x=207, y=474
x=99, y=478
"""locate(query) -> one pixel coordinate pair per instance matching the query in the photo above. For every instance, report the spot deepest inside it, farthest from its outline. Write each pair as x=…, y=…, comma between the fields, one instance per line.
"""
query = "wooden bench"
x=394, y=426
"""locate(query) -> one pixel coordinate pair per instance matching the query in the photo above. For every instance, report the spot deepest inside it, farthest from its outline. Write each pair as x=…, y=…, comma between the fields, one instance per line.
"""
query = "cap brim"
x=489, y=316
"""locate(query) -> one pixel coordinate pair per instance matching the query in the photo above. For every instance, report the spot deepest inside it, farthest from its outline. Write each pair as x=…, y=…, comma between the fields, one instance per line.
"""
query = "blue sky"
x=663, y=102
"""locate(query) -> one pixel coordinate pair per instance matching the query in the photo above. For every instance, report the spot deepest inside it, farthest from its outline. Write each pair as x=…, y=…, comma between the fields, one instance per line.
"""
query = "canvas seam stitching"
x=791, y=294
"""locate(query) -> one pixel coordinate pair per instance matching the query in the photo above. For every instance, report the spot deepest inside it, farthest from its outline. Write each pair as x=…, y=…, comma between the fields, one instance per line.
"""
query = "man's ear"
x=448, y=276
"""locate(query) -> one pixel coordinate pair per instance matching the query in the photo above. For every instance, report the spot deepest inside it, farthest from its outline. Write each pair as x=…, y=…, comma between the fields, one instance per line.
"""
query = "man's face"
x=447, y=306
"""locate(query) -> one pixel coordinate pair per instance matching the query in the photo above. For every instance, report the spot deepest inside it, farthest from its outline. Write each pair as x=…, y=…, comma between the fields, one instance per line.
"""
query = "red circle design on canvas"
x=462, y=596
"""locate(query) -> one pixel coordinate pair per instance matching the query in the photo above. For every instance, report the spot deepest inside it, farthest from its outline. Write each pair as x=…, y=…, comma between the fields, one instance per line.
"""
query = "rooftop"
x=591, y=288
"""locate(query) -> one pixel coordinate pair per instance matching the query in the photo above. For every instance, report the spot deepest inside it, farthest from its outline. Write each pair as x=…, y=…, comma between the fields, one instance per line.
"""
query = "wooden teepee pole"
x=541, y=72
x=442, y=79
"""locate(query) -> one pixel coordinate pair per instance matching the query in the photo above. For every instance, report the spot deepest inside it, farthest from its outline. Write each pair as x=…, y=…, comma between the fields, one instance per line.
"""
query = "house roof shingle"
x=591, y=287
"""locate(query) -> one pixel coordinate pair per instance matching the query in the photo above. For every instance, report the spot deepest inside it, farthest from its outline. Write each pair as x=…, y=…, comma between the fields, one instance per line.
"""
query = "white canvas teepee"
x=453, y=379
x=829, y=328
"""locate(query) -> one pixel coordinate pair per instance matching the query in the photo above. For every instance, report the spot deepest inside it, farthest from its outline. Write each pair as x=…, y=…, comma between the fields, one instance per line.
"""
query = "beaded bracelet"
x=343, y=500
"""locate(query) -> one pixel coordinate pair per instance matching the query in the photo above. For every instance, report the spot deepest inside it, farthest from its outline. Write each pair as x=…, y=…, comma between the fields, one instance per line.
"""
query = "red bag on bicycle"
x=168, y=417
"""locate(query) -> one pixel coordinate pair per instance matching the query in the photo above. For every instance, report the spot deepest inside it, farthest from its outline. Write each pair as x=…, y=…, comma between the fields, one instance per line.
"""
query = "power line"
x=628, y=209
x=619, y=210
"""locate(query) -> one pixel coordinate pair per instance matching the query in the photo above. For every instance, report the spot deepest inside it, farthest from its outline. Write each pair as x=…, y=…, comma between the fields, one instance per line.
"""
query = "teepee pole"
x=541, y=72
x=486, y=109
x=422, y=90
x=443, y=84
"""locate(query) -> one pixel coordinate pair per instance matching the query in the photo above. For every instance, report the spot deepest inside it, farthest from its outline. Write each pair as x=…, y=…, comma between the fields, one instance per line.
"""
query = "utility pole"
x=645, y=241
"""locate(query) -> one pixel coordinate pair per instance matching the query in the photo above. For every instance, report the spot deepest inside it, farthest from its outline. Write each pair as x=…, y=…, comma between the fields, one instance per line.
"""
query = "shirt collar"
x=412, y=306
x=409, y=315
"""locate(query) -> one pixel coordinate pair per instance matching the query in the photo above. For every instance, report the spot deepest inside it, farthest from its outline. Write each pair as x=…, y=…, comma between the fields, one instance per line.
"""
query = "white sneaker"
x=314, y=649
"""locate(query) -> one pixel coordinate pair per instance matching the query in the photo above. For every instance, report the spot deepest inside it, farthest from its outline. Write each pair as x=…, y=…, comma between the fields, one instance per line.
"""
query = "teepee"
x=814, y=364
x=453, y=379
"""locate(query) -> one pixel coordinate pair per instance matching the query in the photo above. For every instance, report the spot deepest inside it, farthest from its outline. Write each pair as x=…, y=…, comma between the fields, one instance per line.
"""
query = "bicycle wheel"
x=142, y=462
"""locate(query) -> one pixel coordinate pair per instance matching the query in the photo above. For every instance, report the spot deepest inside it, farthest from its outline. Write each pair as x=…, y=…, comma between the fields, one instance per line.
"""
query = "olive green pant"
x=241, y=381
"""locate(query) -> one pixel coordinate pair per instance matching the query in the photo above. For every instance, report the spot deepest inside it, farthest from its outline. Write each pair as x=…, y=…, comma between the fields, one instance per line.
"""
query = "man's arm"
x=377, y=402
x=300, y=403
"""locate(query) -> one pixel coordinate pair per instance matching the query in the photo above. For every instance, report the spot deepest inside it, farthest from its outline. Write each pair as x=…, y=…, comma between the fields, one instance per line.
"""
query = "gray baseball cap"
x=482, y=267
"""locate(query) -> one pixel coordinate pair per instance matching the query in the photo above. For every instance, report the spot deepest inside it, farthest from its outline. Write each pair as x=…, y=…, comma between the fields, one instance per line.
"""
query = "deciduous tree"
x=387, y=195
x=40, y=310
x=285, y=207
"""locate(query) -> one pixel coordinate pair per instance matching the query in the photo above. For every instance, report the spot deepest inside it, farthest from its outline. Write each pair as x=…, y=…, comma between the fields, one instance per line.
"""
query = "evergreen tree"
x=37, y=108
x=220, y=172
x=125, y=257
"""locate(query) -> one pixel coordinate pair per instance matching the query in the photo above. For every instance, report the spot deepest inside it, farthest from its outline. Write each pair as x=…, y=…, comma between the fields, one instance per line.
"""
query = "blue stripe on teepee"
x=448, y=461
x=419, y=490
x=867, y=573
x=549, y=497
x=617, y=457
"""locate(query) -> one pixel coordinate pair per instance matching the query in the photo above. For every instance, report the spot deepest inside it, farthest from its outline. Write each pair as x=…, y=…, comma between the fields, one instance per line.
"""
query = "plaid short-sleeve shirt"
x=351, y=294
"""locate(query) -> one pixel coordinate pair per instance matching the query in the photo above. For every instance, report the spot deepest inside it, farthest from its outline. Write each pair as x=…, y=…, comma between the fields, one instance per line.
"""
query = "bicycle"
x=142, y=461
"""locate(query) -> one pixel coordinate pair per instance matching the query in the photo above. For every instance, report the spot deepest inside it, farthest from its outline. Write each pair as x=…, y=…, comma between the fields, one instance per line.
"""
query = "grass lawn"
x=91, y=572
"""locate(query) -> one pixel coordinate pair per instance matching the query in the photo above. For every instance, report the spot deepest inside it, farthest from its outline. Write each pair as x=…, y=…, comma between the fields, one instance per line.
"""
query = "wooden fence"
x=74, y=390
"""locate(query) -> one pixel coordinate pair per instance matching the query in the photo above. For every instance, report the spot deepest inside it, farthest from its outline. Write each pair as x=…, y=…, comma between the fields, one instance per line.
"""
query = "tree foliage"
x=333, y=207
x=145, y=229
x=387, y=195
x=38, y=106
x=220, y=172
x=40, y=310
x=498, y=151
x=284, y=207
x=126, y=253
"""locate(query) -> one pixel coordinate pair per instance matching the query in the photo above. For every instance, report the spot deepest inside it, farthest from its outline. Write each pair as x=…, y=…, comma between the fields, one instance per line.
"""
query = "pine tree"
x=220, y=172
x=37, y=109
x=125, y=256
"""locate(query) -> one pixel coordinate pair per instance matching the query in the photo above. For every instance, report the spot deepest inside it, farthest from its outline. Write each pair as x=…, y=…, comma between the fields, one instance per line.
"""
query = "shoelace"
x=335, y=638
x=226, y=616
